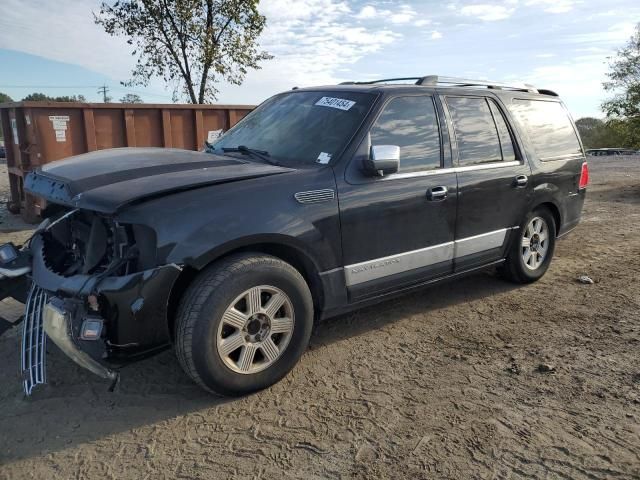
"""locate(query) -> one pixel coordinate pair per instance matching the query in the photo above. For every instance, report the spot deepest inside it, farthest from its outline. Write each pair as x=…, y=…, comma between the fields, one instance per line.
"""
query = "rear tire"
x=531, y=251
x=243, y=324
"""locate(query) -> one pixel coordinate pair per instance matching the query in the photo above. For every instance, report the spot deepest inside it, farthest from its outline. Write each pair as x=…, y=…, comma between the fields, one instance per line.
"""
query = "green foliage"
x=4, y=98
x=624, y=80
x=131, y=98
x=41, y=97
x=612, y=133
x=622, y=128
x=189, y=43
x=37, y=97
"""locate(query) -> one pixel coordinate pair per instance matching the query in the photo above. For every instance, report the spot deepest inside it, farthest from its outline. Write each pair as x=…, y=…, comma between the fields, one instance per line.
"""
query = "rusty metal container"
x=36, y=133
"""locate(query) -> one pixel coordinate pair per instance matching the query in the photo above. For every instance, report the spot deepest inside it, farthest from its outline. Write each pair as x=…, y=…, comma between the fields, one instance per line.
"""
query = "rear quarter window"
x=548, y=127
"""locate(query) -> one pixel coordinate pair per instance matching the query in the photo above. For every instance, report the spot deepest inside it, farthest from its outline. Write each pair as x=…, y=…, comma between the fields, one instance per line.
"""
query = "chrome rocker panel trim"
x=424, y=257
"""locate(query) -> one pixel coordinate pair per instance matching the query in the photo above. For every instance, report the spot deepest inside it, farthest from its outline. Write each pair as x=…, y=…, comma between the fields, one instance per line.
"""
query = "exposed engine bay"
x=94, y=288
x=83, y=243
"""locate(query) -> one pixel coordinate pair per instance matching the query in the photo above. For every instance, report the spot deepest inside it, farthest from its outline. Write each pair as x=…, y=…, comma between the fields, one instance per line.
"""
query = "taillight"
x=584, y=176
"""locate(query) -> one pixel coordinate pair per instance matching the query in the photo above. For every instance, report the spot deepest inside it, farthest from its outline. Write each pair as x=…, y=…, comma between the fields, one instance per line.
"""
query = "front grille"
x=34, y=340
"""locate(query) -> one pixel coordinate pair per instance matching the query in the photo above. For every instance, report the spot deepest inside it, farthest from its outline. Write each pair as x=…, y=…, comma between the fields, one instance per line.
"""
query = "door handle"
x=436, y=194
x=521, y=181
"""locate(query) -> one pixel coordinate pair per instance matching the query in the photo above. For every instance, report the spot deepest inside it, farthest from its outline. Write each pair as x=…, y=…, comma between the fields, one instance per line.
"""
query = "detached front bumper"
x=129, y=310
x=57, y=325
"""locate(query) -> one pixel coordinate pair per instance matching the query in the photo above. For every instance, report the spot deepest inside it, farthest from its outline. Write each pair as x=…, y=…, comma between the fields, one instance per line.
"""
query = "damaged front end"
x=95, y=290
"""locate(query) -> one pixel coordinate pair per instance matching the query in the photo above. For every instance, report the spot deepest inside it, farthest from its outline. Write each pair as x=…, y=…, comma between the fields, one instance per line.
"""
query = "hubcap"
x=255, y=329
x=535, y=243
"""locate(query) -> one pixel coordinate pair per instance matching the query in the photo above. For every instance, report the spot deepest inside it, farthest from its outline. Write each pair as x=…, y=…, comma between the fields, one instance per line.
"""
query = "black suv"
x=318, y=202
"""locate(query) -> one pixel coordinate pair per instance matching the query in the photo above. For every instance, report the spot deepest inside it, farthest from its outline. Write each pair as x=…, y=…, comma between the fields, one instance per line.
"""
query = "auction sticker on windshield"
x=339, y=103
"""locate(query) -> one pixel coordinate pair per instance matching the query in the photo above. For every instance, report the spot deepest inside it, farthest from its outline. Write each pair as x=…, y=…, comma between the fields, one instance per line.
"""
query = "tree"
x=191, y=44
x=72, y=98
x=4, y=98
x=624, y=80
x=591, y=131
x=131, y=98
x=614, y=132
x=41, y=97
x=37, y=97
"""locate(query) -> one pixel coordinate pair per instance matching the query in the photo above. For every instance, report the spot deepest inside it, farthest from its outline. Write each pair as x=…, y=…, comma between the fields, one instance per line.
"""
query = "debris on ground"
x=585, y=279
x=546, y=368
x=513, y=368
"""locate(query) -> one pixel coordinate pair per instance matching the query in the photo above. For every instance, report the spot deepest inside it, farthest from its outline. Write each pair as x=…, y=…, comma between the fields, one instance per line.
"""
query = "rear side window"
x=506, y=143
x=549, y=128
x=475, y=130
x=410, y=123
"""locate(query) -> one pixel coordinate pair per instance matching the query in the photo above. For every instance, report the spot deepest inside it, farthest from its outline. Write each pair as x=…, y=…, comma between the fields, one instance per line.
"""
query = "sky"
x=562, y=45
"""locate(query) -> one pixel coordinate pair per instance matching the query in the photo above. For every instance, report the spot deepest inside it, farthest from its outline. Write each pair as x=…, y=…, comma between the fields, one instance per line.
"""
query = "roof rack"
x=384, y=80
x=437, y=80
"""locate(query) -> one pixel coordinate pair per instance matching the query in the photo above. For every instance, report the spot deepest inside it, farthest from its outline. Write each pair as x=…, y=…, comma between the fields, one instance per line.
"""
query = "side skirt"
x=402, y=291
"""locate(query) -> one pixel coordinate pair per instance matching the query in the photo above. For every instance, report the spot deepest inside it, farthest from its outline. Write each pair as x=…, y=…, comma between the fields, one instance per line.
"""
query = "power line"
x=104, y=89
x=99, y=87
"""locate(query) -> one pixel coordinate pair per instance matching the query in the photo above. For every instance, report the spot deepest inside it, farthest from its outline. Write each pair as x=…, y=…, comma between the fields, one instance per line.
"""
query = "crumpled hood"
x=107, y=180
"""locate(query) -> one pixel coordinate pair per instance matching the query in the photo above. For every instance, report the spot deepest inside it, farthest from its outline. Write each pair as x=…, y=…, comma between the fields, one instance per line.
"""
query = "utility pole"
x=103, y=90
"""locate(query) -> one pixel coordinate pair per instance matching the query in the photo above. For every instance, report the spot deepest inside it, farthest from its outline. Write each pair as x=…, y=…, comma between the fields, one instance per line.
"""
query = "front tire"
x=243, y=324
x=532, y=250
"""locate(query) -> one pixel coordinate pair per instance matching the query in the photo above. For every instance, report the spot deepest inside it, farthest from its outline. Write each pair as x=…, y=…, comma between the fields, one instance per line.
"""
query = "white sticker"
x=59, y=125
x=14, y=129
x=27, y=119
x=339, y=103
x=213, y=135
x=324, y=158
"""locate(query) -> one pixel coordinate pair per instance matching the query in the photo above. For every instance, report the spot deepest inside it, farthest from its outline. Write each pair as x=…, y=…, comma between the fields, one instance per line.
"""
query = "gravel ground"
x=443, y=383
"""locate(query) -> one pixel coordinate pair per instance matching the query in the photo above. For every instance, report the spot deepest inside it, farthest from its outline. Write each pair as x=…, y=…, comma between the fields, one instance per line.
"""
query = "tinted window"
x=410, y=123
x=300, y=127
x=506, y=143
x=548, y=127
x=475, y=130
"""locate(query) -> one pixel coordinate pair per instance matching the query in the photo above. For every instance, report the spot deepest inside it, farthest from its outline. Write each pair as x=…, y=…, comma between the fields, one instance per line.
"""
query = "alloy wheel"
x=535, y=243
x=255, y=329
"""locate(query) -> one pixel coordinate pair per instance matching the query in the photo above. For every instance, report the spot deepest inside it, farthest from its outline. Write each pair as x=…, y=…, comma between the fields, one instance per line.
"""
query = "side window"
x=548, y=127
x=410, y=123
x=475, y=130
x=506, y=142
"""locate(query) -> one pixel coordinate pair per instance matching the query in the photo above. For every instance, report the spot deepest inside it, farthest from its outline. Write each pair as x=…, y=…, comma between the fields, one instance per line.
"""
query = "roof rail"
x=435, y=80
x=384, y=80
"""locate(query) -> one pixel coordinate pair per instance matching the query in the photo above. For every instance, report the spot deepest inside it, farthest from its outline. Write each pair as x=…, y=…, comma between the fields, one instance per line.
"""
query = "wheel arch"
x=280, y=247
x=549, y=196
x=555, y=212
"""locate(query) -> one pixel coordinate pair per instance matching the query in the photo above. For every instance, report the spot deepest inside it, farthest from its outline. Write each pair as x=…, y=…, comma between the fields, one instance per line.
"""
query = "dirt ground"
x=443, y=383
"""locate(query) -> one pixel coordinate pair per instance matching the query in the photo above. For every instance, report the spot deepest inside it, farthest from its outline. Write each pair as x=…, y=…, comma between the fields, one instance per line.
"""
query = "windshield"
x=300, y=127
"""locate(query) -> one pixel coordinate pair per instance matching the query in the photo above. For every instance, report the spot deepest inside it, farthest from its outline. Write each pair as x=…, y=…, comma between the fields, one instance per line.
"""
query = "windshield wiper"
x=261, y=154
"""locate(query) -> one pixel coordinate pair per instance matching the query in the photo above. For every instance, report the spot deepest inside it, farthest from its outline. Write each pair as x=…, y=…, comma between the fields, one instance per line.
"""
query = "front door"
x=398, y=230
x=493, y=180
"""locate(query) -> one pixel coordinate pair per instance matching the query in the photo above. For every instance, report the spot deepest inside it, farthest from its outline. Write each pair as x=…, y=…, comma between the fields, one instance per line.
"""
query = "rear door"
x=557, y=156
x=494, y=184
x=397, y=230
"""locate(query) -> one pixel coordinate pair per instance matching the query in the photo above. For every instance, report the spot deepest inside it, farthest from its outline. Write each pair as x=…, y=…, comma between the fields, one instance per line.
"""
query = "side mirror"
x=383, y=160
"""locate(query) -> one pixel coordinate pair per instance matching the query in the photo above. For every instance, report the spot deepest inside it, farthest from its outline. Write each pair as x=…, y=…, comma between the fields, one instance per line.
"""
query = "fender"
x=218, y=219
